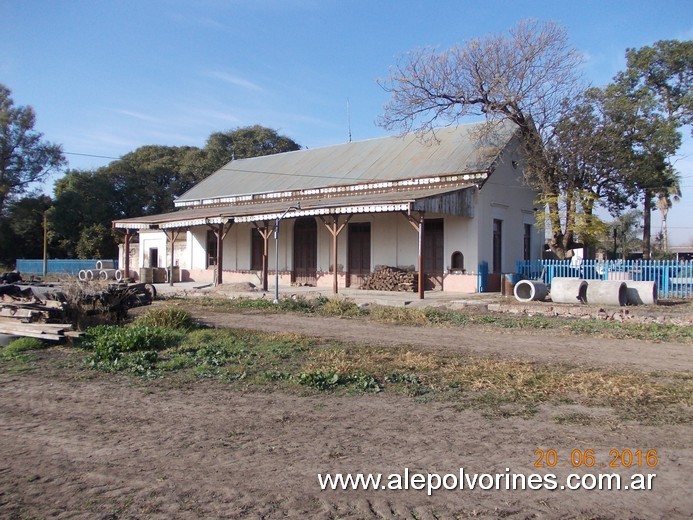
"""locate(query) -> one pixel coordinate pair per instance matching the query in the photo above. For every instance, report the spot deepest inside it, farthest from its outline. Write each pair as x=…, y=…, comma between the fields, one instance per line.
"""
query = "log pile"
x=386, y=278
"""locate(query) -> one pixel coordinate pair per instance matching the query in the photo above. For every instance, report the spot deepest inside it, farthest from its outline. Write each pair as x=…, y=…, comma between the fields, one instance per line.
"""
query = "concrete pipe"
x=642, y=293
x=119, y=275
x=107, y=274
x=82, y=275
x=607, y=292
x=568, y=290
x=90, y=275
x=530, y=290
x=104, y=264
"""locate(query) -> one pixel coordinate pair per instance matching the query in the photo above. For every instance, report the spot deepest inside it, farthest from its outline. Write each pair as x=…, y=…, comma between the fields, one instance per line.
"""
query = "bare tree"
x=524, y=77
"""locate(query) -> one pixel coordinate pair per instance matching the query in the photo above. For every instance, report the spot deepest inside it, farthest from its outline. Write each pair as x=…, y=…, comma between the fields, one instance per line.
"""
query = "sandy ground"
x=80, y=444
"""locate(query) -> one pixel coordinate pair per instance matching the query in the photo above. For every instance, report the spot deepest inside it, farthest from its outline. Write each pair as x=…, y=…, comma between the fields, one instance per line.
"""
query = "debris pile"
x=386, y=278
x=46, y=311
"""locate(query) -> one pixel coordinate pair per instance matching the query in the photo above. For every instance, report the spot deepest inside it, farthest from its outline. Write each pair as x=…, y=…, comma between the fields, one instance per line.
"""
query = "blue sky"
x=108, y=76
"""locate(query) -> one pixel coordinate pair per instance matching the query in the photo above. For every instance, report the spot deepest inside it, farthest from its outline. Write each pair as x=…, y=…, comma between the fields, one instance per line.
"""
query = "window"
x=457, y=261
x=528, y=242
x=497, y=244
x=211, y=248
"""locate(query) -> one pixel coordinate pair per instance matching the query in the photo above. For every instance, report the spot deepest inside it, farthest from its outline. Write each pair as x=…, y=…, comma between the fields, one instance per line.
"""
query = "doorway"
x=433, y=251
x=305, y=251
x=359, y=253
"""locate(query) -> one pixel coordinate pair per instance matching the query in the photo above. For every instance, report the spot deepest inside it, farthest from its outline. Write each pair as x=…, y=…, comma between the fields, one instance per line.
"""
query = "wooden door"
x=257, y=250
x=305, y=251
x=433, y=251
x=359, y=253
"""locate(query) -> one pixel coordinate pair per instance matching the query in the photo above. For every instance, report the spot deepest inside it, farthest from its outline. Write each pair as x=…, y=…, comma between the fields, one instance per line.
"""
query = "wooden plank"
x=19, y=313
x=19, y=331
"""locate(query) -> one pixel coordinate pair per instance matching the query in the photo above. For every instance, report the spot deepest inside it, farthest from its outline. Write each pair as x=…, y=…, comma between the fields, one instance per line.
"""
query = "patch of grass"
x=132, y=348
x=21, y=345
x=428, y=316
x=400, y=315
x=339, y=307
x=167, y=317
x=497, y=387
x=17, y=357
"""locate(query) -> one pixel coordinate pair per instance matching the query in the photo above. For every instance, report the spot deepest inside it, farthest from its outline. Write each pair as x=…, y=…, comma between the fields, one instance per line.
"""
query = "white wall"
x=503, y=196
x=153, y=239
x=461, y=234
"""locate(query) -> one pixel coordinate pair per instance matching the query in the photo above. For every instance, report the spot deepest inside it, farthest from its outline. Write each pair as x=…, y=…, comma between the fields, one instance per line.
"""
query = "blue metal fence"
x=71, y=267
x=674, y=279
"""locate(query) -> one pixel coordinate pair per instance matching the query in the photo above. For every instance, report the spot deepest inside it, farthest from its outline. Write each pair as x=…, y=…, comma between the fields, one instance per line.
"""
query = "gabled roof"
x=379, y=175
x=454, y=150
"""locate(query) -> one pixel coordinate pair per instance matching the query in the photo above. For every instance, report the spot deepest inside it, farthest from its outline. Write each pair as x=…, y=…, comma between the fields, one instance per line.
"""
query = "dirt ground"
x=80, y=444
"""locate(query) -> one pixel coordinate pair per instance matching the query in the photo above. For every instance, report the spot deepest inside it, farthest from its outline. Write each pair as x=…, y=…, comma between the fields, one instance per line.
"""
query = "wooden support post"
x=220, y=231
x=126, y=246
x=335, y=229
x=421, y=264
x=175, y=232
x=418, y=225
x=220, y=253
x=265, y=232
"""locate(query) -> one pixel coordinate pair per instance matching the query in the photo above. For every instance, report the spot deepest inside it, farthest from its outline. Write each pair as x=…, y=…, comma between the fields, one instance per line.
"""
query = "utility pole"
x=45, y=244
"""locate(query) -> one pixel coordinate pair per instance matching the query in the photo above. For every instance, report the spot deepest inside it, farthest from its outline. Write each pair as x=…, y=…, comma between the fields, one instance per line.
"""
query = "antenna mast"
x=349, y=118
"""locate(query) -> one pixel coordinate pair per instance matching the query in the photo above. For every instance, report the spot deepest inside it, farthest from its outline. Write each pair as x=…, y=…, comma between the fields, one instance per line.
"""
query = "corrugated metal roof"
x=356, y=203
x=454, y=150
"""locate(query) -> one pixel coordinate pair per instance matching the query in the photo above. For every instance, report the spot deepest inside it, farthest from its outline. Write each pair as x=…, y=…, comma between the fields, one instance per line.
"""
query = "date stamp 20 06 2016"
x=625, y=458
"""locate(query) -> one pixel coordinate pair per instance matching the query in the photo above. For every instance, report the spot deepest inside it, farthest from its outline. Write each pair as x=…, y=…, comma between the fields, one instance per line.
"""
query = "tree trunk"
x=646, y=224
x=665, y=239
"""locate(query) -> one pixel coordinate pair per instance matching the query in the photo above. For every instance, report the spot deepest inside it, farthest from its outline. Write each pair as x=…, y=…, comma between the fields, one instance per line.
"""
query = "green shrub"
x=113, y=346
x=169, y=317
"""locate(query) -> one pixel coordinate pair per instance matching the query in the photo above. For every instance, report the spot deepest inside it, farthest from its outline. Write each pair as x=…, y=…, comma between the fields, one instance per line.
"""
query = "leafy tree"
x=665, y=71
x=97, y=241
x=655, y=97
x=143, y=182
x=21, y=232
x=523, y=78
x=587, y=153
x=626, y=231
x=147, y=180
x=245, y=142
x=83, y=198
x=25, y=158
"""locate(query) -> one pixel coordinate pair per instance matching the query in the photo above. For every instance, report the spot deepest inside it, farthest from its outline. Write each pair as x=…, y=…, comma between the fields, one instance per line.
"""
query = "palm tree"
x=666, y=196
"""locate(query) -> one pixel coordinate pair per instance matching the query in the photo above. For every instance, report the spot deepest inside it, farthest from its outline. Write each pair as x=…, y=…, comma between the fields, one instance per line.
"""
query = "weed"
x=329, y=380
x=319, y=379
x=131, y=348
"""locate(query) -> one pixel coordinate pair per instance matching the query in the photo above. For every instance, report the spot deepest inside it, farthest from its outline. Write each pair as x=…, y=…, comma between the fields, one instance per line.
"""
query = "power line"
x=92, y=155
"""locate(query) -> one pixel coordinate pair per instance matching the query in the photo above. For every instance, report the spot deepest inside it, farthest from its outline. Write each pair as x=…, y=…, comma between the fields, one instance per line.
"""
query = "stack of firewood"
x=386, y=278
